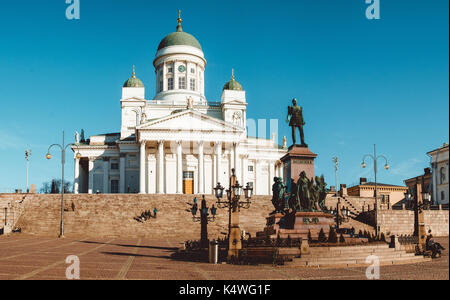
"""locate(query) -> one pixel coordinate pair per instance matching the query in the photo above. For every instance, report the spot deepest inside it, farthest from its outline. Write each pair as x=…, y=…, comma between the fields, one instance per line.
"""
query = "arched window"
x=443, y=175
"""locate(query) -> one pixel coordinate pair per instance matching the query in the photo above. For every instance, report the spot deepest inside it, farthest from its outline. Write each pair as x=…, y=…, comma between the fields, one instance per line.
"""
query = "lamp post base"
x=235, y=243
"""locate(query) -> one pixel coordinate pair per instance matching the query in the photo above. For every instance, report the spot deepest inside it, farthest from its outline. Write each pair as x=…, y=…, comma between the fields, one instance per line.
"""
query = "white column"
x=179, y=168
x=271, y=176
x=91, y=176
x=434, y=175
x=282, y=171
x=255, y=171
x=201, y=164
x=214, y=168
x=219, y=163
x=188, y=72
x=122, y=173
x=105, y=175
x=160, y=167
x=142, y=169
x=237, y=165
x=245, y=170
x=231, y=159
x=165, y=76
x=76, y=183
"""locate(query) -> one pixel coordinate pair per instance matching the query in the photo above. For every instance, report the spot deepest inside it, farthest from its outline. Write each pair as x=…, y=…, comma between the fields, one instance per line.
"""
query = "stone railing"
x=11, y=208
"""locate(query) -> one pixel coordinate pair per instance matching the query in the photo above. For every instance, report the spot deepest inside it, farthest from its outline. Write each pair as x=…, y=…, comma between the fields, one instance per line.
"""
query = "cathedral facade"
x=178, y=142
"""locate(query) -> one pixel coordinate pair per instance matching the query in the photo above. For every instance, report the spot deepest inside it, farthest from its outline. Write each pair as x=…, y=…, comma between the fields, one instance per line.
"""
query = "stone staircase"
x=349, y=204
x=112, y=215
x=358, y=226
x=11, y=208
x=353, y=256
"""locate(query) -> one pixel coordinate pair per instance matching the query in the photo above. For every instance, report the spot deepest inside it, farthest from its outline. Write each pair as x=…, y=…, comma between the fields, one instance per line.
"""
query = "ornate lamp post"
x=233, y=203
x=375, y=162
x=63, y=148
x=204, y=219
x=420, y=201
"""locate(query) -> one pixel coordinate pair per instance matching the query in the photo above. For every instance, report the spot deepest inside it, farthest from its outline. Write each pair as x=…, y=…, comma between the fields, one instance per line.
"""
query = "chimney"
x=362, y=180
x=427, y=171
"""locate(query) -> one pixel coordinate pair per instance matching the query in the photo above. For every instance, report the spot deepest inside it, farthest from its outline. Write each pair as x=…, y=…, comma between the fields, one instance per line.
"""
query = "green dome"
x=233, y=85
x=179, y=38
x=133, y=82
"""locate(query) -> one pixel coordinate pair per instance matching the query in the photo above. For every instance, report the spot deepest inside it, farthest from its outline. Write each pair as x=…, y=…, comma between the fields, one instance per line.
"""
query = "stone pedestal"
x=299, y=158
x=304, y=222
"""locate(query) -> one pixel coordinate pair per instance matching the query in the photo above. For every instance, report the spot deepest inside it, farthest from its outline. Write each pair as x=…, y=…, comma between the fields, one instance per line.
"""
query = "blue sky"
x=360, y=81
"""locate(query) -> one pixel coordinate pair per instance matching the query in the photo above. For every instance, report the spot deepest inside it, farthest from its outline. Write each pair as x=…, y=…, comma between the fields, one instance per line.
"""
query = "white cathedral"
x=177, y=143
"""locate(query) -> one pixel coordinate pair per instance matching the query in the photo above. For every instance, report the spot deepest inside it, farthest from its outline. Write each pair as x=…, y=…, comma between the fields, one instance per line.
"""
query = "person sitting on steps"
x=433, y=246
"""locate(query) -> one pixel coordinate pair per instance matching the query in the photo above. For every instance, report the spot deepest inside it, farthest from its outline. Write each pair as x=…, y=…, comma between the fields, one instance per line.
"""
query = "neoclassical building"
x=178, y=142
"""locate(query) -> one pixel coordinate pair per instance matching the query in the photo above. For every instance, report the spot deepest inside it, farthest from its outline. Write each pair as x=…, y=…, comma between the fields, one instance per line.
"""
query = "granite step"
x=355, y=262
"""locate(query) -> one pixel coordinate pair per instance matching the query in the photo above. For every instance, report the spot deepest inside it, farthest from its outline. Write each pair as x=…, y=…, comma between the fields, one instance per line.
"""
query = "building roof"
x=380, y=184
x=179, y=37
x=445, y=145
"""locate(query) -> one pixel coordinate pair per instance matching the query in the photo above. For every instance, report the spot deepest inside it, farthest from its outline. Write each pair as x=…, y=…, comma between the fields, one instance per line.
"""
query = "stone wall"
x=402, y=221
x=112, y=216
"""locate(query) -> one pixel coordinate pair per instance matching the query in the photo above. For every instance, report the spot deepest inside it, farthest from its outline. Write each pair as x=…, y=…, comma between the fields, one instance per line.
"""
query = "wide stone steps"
x=356, y=263
x=109, y=215
x=358, y=257
x=353, y=256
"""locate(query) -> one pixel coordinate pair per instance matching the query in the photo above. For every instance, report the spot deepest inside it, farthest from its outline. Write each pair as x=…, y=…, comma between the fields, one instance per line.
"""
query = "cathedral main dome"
x=179, y=38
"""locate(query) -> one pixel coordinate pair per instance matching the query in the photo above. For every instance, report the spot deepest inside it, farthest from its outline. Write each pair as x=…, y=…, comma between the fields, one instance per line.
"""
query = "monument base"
x=298, y=158
x=304, y=223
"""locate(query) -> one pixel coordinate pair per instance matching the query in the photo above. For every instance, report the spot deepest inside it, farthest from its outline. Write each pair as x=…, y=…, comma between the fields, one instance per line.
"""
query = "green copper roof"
x=179, y=38
x=133, y=81
x=233, y=84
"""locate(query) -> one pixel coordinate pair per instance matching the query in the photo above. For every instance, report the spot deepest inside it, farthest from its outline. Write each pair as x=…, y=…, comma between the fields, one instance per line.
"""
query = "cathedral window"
x=161, y=87
x=132, y=161
x=192, y=84
x=114, y=165
x=170, y=70
x=192, y=70
x=182, y=83
x=114, y=186
x=170, y=83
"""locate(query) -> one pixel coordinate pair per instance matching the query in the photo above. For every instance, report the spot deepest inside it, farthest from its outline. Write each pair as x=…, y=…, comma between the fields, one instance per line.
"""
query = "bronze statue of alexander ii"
x=295, y=119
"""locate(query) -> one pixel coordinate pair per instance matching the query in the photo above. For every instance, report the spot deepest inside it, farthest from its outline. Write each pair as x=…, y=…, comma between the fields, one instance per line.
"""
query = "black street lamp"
x=234, y=204
x=375, y=162
x=63, y=148
x=204, y=219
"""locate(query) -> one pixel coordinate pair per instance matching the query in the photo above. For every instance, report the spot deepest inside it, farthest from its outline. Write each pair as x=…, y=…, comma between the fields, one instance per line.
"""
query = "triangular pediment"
x=235, y=102
x=134, y=98
x=190, y=120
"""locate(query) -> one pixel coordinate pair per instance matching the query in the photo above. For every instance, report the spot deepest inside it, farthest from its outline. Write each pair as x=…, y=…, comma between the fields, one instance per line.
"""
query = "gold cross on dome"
x=179, y=17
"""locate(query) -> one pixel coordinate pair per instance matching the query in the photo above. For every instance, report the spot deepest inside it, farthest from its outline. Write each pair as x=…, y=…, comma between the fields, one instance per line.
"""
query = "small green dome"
x=179, y=38
x=233, y=85
x=133, y=82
